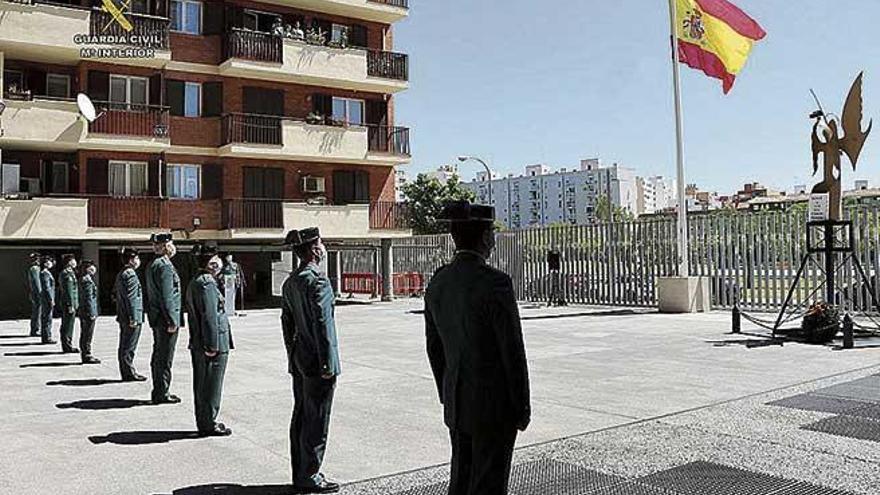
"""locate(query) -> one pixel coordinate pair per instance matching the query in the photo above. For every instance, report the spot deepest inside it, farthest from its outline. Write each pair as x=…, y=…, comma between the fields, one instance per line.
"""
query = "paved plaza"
x=630, y=400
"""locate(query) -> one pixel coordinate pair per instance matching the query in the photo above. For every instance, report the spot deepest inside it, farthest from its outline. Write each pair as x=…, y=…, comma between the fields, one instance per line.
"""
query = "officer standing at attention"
x=88, y=311
x=210, y=340
x=308, y=317
x=47, y=300
x=475, y=347
x=129, y=314
x=163, y=311
x=69, y=302
x=34, y=293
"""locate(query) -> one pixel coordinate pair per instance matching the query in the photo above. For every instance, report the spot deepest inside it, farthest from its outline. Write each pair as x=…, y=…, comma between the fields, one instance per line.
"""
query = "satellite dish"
x=86, y=107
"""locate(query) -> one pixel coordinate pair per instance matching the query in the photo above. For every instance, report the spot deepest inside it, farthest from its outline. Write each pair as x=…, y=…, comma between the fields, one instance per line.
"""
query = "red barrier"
x=405, y=284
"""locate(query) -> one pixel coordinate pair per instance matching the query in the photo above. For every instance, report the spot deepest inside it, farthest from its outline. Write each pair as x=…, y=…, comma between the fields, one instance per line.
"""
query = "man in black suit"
x=476, y=350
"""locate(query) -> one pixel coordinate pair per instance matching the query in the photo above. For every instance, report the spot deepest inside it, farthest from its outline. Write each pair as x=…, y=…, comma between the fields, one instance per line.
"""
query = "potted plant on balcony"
x=315, y=118
x=316, y=36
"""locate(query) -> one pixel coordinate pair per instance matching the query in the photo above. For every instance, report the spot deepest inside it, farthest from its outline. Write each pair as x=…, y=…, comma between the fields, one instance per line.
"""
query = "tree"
x=426, y=196
x=616, y=213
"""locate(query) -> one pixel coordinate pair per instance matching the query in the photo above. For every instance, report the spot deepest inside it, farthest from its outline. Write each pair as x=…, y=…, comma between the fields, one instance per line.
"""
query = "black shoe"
x=90, y=360
x=323, y=487
x=134, y=378
x=219, y=430
x=70, y=350
x=169, y=399
x=49, y=342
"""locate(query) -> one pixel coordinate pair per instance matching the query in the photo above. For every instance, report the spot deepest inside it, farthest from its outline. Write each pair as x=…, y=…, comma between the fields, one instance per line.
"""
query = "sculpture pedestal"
x=683, y=294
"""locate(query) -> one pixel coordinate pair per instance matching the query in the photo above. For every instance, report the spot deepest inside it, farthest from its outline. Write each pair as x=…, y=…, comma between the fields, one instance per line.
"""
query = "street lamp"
x=464, y=158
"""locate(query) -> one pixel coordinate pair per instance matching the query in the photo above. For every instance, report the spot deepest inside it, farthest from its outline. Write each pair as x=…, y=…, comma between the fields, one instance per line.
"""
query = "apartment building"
x=227, y=121
x=541, y=197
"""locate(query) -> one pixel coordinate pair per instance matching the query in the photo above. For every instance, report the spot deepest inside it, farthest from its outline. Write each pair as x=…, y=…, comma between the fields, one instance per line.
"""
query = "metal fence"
x=753, y=256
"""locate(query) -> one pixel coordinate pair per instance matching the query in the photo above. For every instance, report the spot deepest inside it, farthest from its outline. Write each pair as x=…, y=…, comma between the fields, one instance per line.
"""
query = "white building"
x=541, y=197
x=656, y=193
x=444, y=173
x=400, y=180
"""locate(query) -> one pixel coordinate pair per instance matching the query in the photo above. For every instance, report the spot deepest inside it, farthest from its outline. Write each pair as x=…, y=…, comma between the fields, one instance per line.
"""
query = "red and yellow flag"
x=716, y=37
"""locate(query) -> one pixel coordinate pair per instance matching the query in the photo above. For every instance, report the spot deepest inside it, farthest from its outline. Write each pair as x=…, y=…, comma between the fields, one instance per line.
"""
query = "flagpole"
x=683, y=268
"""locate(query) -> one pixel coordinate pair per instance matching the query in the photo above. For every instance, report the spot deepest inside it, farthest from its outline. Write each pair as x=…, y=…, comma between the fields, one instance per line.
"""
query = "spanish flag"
x=716, y=37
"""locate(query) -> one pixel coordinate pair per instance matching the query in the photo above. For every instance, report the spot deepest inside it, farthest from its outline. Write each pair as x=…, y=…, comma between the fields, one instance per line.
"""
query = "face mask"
x=136, y=263
x=171, y=249
x=214, y=266
x=72, y=264
x=91, y=270
x=320, y=253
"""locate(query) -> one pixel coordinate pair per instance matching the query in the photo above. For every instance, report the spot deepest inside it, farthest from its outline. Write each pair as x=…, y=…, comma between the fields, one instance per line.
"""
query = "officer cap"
x=299, y=237
x=66, y=257
x=465, y=212
x=161, y=238
x=128, y=254
x=204, y=253
x=35, y=256
x=47, y=257
x=87, y=263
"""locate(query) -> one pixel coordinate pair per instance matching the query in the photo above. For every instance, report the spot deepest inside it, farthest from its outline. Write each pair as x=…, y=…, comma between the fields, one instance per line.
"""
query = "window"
x=259, y=21
x=192, y=99
x=128, y=178
x=139, y=7
x=58, y=85
x=186, y=16
x=348, y=110
x=129, y=91
x=13, y=82
x=183, y=181
x=337, y=33
x=59, y=177
x=263, y=183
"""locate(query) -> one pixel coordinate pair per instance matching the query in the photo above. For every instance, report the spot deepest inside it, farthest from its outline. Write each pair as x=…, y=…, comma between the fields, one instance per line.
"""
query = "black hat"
x=35, y=256
x=128, y=254
x=299, y=237
x=87, y=263
x=464, y=211
x=161, y=238
x=204, y=253
x=65, y=258
x=47, y=257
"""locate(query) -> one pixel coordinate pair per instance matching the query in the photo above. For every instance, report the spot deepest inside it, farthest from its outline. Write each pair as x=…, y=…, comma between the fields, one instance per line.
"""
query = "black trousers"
x=68, y=320
x=46, y=321
x=128, y=342
x=86, y=332
x=309, y=427
x=481, y=462
x=35, y=317
x=208, y=373
x=164, y=344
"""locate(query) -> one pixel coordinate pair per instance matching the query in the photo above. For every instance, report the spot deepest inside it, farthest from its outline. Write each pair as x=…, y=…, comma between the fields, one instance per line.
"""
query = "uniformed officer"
x=163, y=312
x=88, y=311
x=33, y=276
x=69, y=302
x=129, y=314
x=308, y=316
x=210, y=340
x=47, y=299
x=476, y=351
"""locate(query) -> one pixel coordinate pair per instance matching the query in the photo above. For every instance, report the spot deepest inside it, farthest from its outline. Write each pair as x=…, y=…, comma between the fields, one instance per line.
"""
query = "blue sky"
x=524, y=81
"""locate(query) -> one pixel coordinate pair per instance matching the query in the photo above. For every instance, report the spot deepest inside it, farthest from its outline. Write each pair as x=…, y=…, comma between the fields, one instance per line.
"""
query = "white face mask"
x=215, y=265
x=171, y=249
x=91, y=270
x=136, y=263
x=321, y=253
x=72, y=263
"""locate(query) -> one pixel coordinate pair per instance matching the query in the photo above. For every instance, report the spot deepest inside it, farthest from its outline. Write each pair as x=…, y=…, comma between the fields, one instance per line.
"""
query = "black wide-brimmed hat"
x=299, y=237
x=161, y=238
x=204, y=253
x=465, y=212
x=87, y=263
x=128, y=254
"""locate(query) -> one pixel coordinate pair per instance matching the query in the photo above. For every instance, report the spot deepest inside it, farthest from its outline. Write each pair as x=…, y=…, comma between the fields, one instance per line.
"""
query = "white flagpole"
x=683, y=268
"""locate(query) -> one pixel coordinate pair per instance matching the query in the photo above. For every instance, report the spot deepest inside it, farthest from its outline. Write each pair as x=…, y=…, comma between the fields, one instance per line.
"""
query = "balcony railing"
x=130, y=120
x=388, y=65
x=404, y=4
x=388, y=215
x=389, y=139
x=253, y=214
x=148, y=31
x=250, y=128
x=126, y=212
x=253, y=45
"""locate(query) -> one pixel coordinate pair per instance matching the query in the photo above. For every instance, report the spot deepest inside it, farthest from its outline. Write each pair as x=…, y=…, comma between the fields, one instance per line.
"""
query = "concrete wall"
x=53, y=124
x=43, y=218
x=350, y=221
x=49, y=27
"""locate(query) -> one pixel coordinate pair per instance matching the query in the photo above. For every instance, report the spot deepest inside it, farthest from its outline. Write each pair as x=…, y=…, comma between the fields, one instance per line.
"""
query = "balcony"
x=127, y=212
x=389, y=215
x=43, y=218
x=130, y=127
x=382, y=11
x=252, y=214
x=52, y=124
x=55, y=33
x=257, y=55
x=288, y=138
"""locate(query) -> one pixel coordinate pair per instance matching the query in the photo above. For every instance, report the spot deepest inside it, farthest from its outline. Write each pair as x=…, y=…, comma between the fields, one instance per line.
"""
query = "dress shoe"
x=322, y=487
x=219, y=430
x=91, y=360
x=134, y=378
x=170, y=399
x=72, y=350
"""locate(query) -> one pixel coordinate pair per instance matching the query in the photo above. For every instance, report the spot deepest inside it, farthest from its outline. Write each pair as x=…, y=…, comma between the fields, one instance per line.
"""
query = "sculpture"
x=833, y=145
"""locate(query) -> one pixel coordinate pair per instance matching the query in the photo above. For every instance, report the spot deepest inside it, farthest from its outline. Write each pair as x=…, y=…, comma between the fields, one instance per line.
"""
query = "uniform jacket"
x=69, y=291
x=208, y=324
x=163, y=294
x=34, y=283
x=308, y=309
x=288, y=321
x=47, y=287
x=88, y=307
x=129, y=298
x=475, y=346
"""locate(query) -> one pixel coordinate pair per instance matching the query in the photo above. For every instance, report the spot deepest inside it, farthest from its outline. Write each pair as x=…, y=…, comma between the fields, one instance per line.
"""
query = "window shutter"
x=362, y=186
x=275, y=183
x=174, y=96
x=36, y=82
x=46, y=176
x=212, y=181
x=358, y=36
x=153, y=178
x=212, y=18
x=156, y=90
x=234, y=17
x=99, y=85
x=343, y=187
x=212, y=99
x=377, y=112
x=252, y=183
x=322, y=104
x=96, y=176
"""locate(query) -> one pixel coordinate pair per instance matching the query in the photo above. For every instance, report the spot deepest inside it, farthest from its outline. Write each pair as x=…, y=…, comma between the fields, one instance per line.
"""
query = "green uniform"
x=130, y=316
x=475, y=347
x=34, y=294
x=47, y=304
x=88, y=313
x=69, y=307
x=208, y=331
x=163, y=312
x=308, y=308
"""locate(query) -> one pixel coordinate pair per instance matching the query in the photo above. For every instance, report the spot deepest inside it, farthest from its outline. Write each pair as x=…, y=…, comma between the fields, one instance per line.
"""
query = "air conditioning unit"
x=313, y=184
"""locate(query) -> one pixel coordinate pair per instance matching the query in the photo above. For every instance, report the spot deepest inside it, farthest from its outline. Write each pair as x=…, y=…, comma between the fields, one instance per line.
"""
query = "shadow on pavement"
x=34, y=353
x=143, y=437
x=25, y=336
x=49, y=365
x=101, y=404
x=22, y=344
x=232, y=489
x=88, y=382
